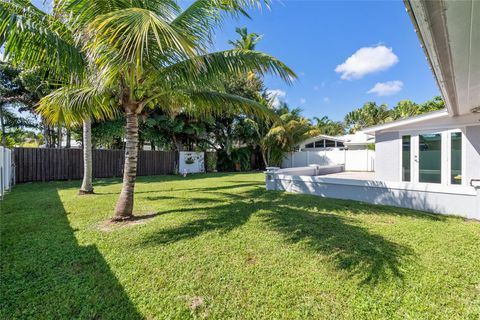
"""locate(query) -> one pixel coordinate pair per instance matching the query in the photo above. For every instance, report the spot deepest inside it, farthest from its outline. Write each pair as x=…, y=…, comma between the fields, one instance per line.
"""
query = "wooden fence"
x=39, y=164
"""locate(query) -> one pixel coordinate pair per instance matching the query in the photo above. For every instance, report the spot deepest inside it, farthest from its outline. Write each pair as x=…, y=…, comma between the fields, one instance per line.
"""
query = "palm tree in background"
x=285, y=134
x=369, y=115
x=34, y=39
x=139, y=55
x=247, y=41
x=329, y=127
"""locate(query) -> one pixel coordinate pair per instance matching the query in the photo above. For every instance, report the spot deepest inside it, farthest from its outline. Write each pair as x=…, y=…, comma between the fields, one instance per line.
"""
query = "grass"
x=220, y=246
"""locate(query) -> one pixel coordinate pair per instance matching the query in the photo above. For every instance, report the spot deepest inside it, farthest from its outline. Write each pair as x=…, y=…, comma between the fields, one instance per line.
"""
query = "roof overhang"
x=449, y=32
x=426, y=117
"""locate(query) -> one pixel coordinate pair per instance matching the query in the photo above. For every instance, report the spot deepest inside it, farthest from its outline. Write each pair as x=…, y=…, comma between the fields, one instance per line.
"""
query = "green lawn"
x=220, y=246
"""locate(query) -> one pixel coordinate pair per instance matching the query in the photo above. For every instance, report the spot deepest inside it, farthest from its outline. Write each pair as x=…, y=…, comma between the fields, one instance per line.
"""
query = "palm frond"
x=71, y=104
x=32, y=37
x=200, y=19
x=225, y=64
x=133, y=32
x=87, y=11
x=205, y=103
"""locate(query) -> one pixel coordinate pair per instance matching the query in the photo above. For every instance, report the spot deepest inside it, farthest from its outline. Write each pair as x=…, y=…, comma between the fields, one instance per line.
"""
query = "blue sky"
x=315, y=37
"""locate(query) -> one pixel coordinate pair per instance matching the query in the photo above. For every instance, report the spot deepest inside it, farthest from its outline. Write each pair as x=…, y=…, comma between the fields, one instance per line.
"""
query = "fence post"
x=1, y=182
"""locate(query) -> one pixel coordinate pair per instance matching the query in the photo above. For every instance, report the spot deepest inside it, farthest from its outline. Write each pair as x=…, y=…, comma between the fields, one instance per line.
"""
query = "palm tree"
x=285, y=134
x=369, y=115
x=329, y=127
x=151, y=54
x=32, y=39
x=247, y=41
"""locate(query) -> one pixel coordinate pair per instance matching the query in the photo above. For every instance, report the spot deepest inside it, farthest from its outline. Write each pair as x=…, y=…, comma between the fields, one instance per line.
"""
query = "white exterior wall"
x=387, y=153
x=388, y=157
x=472, y=152
x=452, y=200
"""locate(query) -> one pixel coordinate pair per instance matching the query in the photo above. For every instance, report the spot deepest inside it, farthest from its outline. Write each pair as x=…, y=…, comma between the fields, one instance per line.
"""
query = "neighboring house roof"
x=449, y=33
x=320, y=137
x=359, y=138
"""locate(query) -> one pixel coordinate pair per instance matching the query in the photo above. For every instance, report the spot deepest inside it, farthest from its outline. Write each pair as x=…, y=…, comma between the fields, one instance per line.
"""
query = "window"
x=456, y=158
x=319, y=144
x=430, y=158
x=329, y=144
x=406, y=152
x=310, y=145
x=340, y=144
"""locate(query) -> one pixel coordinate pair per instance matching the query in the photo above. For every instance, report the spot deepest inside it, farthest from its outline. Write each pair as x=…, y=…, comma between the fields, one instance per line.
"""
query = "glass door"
x=430, y=158
x=436, y=157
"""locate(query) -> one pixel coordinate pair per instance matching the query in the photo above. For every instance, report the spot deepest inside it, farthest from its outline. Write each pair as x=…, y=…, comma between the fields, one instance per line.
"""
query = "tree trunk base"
x=85, y=192
x=122, y=219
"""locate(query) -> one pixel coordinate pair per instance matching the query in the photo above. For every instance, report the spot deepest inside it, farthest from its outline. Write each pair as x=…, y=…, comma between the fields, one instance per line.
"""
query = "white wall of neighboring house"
x=353, y=160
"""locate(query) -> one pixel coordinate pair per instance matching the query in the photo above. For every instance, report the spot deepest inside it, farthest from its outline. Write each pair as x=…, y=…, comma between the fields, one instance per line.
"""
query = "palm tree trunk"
x=87, y=187
x=68, y=137
x=124, y=207
x=264, y=157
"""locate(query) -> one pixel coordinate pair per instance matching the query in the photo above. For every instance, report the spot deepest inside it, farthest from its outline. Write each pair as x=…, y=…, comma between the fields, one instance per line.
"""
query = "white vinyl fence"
x=6, y=171
x=353, y=160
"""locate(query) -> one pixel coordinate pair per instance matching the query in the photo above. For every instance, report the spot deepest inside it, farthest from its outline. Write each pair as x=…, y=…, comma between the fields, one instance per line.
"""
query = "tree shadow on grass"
x=45, y=273
x=350, y=247
x=317, y=225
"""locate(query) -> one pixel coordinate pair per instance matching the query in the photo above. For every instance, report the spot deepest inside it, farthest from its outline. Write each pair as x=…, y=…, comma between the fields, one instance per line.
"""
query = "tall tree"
x=368, y=115
x=35, y=39
x=405, y=109
x=329, y=127
x=285, y=134
x=247, y=41
x=146, y=54
x=14, y=98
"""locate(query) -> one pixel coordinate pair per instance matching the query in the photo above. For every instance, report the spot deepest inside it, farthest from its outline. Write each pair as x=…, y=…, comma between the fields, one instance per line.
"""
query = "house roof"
x=359, y=138
x=449, y=32
x=320, y=137
x=408, y=121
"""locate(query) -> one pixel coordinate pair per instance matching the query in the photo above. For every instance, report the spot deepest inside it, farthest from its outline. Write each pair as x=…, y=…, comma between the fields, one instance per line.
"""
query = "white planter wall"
x=197, y=166
x=353, y=160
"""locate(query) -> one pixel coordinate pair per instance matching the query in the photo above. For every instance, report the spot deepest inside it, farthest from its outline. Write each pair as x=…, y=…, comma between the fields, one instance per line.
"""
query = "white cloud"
x=276, y=96
x=316, y=88
x=386, y=88
x=303, y=100
x=326, y=99
x=367, y=60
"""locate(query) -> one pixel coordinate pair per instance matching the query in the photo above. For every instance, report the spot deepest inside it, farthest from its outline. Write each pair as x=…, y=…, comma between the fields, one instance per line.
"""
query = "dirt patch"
x=251, y=261
x=198, y=307
x=196, y=303
x=109, y=225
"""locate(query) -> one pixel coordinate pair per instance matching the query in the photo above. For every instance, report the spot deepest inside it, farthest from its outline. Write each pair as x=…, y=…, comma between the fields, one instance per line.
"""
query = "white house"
x=357, y=141
x=429, y=162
